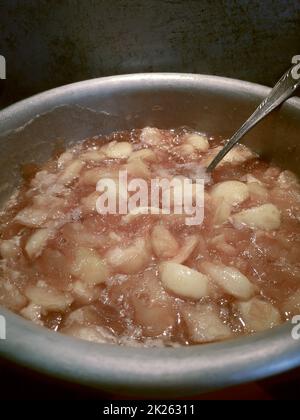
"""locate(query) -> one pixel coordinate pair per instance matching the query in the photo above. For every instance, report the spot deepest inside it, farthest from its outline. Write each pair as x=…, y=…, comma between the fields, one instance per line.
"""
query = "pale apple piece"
x=288, y=179
x=163, y=242
x=257, y=191
x=154, y=318
x=219, y=242
x=233, y=192
x=71, y=172
x=138, y=168
x=32, y=216
x=187, y=249
x=33, y=312
x=210, y=155
x=153, y=309
x=258, y=315
x=140, y=211
x=10, y=296
x=183, y=281
x=38, y=241
x=48, y=298
x=85, y=315
x=10, y=248
x=222, y=211
x=43, y=180
x=64, y=159
x=229, y=279
x=93, y=333
x=204, y=324
x=88, y=203
x=83, y=322
x=93, y=176
x=55, y=189
x=184, y=150
x=266, y=217
x=88, y=266
x=78, y=234
x=50, y=203
x=151, y=136
x=118, y=150
x=199, y=142
x=250, y=179
x=129, y=260
x=239, y=154
x=292, y=304
x=83, y=292
x=143, y=154
x=114, y=237
x=92, y=155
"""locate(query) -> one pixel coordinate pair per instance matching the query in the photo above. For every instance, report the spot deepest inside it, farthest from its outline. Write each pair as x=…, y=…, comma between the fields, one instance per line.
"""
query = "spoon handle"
x=282, y=91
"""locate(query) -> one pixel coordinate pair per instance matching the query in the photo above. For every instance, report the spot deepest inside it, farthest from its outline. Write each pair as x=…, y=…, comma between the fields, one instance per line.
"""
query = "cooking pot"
x=33, y=128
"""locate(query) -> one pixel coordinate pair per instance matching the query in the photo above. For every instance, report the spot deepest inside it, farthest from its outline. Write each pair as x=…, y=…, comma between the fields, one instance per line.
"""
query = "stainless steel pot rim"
x=181, y=370
x=186, y=370
x=44, y=101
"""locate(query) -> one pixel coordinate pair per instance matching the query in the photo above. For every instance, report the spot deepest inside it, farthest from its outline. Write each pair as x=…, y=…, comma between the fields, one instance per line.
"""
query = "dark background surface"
x=51, y=43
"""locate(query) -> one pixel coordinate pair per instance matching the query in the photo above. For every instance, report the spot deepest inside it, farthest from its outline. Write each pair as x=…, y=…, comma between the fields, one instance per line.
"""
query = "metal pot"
x=31, y=129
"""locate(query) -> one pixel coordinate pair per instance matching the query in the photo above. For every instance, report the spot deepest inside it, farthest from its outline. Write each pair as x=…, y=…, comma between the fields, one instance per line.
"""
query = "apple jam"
x=151, y=279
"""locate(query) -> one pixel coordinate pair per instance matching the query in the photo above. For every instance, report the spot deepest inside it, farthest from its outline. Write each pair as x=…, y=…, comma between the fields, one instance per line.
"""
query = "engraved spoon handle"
x=282, y=91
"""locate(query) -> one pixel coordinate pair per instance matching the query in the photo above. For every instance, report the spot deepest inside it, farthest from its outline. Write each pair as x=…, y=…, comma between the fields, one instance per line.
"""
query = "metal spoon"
x=289, y=82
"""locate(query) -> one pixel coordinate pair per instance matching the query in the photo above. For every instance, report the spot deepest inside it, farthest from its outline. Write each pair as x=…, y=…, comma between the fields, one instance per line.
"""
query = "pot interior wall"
x=33, y=134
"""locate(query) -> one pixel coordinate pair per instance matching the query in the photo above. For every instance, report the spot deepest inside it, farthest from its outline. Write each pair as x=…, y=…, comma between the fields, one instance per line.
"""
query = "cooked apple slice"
x=259, y=315
x=187, y=249
x=265, y=217
x=131, y=259
x=32, y=216
x=93, y=156
x=291, y=305
x=233, y=192
x=93, y=333
x=10, y=296
x=89, y=266
x=143, y=154
x=151, y=136
x=71, y=172
x=48, y=298
x=118, y=150
x=231, y=280
x=183, y=281
x=37, y=242
x=204, y=324
x=138, y=168
x=199, y=142
x=33, y=312
x=10, y=248
x=163, y=242
x=222, y=211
